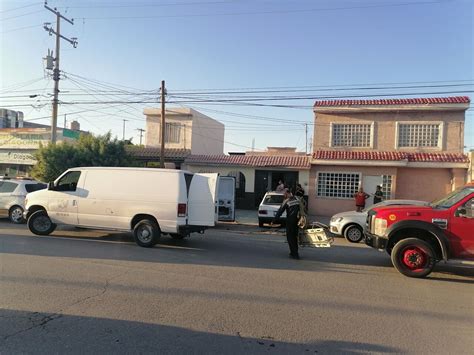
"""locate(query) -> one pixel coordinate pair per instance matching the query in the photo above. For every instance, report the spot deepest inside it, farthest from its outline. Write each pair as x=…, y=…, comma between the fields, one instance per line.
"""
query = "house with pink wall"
x=412, y=147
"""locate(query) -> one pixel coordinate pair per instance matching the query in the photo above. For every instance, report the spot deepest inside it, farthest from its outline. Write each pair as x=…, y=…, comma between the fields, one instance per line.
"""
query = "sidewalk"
x=249, y=217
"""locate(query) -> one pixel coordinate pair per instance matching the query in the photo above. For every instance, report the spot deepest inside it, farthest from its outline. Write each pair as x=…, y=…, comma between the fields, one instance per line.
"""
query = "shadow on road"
x=33, y=332
x=217, y=248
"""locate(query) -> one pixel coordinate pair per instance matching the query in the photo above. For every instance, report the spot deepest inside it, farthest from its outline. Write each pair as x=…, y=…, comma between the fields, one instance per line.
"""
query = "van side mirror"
x=51, y=185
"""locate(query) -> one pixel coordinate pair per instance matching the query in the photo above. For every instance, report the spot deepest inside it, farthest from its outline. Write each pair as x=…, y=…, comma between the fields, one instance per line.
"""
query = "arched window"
x=239, y=183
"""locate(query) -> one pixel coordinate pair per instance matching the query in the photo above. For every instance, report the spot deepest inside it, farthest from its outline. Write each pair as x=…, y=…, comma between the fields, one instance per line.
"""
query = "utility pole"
x=163, y=126
x=141, y=130
x=56, y=72
x=65, y=120
x=123, y=131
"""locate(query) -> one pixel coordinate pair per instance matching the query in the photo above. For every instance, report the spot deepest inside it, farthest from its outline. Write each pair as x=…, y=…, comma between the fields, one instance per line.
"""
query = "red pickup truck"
x=417, y=237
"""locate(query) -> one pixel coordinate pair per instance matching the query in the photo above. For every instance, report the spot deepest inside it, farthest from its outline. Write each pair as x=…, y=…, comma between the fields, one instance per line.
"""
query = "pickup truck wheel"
x=353, y=234
x=413, y=257
x=39, y=223
x=16, y=215
x=146, y=233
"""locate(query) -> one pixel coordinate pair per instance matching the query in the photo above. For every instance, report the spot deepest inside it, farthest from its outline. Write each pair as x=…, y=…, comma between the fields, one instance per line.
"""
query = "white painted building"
x=185, y=129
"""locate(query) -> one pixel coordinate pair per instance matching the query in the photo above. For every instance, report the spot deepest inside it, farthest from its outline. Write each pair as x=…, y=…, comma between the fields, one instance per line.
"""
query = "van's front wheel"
x=146, y=233
x=39, y=223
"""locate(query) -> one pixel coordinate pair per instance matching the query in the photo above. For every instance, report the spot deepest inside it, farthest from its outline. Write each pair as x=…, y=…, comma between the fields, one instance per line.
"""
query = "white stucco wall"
x=207, y=135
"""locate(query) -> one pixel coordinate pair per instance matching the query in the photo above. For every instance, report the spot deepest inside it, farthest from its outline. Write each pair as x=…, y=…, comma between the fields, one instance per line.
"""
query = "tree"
x=52, y=160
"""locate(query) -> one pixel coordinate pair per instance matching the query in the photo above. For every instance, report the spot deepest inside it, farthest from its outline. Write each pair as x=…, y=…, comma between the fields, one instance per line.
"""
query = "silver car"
x=351, y=224
x=12, y=196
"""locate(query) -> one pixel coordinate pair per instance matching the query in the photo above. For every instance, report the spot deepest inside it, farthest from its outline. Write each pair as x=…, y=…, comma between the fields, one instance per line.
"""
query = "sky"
x=301, y=48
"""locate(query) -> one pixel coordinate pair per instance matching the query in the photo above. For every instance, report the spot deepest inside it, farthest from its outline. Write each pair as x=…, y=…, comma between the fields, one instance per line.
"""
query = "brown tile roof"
x=406, y=101
x=256, y=161
x=391, y=156
x=150, y=153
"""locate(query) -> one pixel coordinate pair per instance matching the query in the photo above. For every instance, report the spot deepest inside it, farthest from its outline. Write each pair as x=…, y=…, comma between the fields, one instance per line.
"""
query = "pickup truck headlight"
x=336, y=219
x=380, y=226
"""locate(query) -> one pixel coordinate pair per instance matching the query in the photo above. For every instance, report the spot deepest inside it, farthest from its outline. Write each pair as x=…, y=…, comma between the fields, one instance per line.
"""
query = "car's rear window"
x=273, y=200
x=34, y=187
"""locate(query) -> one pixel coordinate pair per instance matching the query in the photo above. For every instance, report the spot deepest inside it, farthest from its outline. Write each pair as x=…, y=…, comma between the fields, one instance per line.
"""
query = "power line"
x=20, y=7
x=22, y=15
x=137, y=5
x=272, y=12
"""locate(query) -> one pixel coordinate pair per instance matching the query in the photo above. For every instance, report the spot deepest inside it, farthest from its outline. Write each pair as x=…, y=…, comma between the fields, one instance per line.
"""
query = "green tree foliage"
x=52, y=160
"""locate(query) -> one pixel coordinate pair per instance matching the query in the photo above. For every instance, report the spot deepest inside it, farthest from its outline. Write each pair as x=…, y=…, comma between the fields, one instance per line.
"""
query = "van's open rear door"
x=202, y=200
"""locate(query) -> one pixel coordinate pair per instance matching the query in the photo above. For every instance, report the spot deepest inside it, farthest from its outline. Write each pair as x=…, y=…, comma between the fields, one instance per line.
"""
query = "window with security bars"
x=387, y=187
x=418, y=134
x=337, y=185
x=172, y=133
x=351, y=135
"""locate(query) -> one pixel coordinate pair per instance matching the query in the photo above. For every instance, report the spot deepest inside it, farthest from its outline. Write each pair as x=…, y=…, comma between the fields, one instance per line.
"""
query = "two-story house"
x=412, y=147
x=187, y=132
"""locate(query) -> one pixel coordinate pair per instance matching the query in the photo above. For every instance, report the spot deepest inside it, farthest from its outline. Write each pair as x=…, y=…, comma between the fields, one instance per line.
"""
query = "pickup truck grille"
x=370, y=221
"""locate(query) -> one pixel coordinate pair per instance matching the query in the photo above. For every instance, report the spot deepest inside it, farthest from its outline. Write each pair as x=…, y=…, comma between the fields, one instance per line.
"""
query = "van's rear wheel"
x=146, y=233
x=39, y=223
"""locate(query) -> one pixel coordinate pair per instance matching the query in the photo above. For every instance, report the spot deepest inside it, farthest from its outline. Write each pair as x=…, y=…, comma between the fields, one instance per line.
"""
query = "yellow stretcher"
x=315, y=235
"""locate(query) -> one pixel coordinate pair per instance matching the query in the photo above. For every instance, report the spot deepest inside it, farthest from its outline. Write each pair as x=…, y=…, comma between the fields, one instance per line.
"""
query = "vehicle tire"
x=177, y=236
x=40, y=224
x=146, y=233
x=413, y=257
x=16, y=215
x=260, y=223
x=353, y=233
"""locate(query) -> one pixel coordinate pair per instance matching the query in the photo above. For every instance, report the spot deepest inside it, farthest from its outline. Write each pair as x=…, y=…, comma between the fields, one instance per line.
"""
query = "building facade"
x=186, y=129
x=255, y=173
x=18, y=145
x=413, y=148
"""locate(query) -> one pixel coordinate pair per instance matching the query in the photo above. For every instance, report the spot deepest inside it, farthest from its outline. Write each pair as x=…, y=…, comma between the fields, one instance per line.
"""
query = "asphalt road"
x=226, y=291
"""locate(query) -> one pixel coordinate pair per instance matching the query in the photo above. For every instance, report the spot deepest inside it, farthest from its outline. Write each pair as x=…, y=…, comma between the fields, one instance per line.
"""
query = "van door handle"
x=74, y=202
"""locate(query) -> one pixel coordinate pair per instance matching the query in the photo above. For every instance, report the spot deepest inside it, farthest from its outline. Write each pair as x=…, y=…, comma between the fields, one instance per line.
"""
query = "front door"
x=369, y=184
x=461, y=227
x=64, y=198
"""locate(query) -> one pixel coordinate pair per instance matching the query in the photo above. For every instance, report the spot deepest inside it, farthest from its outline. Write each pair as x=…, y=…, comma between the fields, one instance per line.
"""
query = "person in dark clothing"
x=378, y=195
x=292, y=207
x=299, y=192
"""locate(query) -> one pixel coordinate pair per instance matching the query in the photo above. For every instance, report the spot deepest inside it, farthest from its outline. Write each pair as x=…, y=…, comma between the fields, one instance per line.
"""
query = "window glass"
x=452, y=198
x=68, y=182
x=418, y=135
x=34, y=187
x=273, y=200
x=7, y=186
x=338, y=185
x=351, y=135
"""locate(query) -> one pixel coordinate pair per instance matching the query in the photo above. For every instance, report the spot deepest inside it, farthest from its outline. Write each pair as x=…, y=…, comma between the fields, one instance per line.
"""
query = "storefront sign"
x=17, y=158
x=23, y=140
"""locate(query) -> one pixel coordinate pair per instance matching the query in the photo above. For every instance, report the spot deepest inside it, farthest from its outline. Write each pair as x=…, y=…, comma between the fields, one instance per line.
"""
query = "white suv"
x=12, y=196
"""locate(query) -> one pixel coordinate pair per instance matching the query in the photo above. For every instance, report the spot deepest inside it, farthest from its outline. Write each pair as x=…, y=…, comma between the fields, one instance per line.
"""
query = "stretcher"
x=315, y=235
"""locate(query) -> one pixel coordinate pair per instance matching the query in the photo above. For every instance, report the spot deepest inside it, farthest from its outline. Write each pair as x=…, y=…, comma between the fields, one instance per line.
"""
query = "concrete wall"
x=207, y=135
x=385, y=129
x=199, y=133
x=470, y=173
x=426, y=184
x=323, y=206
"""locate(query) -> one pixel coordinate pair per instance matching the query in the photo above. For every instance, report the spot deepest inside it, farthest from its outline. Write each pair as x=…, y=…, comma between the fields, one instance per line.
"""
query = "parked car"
x=148, y=202
x=418, y=237
x=12, y=196
x=268, y=208
x=351, y=224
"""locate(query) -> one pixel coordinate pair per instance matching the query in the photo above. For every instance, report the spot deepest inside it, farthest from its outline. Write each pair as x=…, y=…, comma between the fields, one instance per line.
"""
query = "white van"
x=148, y=201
